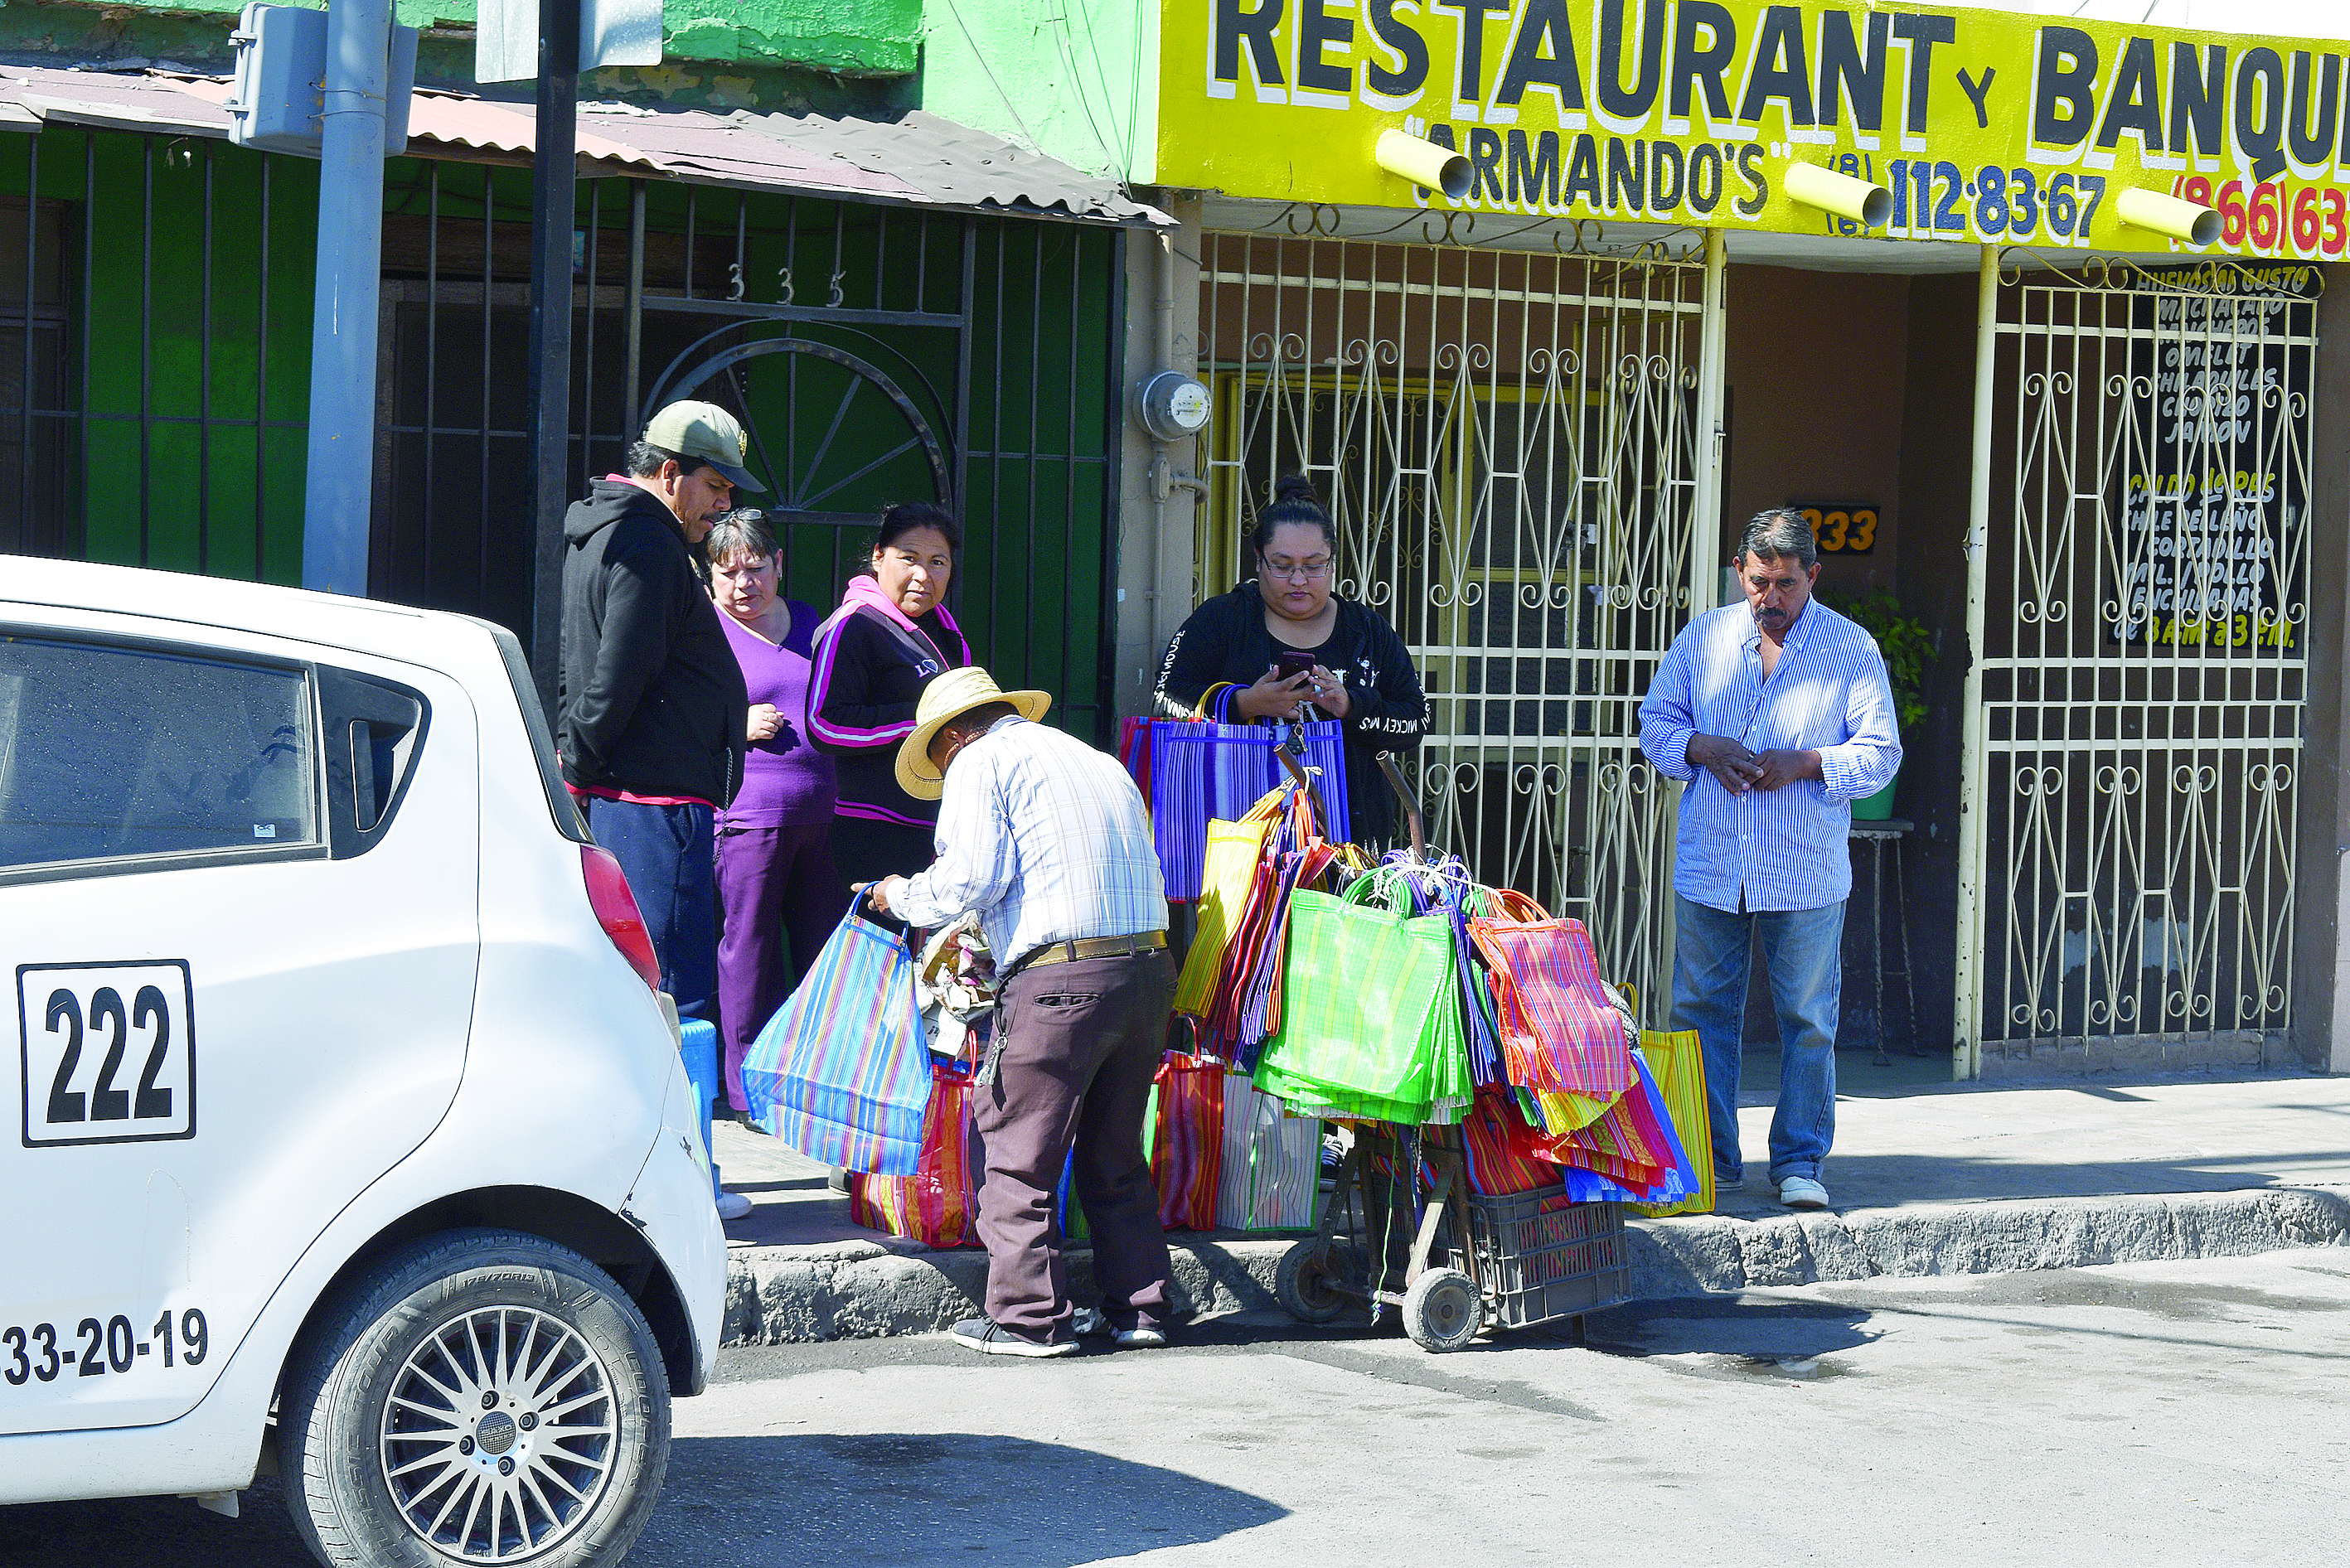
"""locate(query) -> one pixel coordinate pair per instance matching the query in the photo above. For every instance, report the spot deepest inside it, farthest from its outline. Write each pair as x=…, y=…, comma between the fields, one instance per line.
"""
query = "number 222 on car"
x=109, y=1052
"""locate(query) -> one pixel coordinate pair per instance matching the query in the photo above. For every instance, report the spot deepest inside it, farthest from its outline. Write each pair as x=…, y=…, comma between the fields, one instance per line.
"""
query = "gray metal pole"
x=553, y=171
x=341, y=478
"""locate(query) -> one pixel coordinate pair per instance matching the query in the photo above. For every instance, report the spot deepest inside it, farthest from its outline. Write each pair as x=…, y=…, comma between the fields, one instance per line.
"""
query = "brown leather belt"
x=1093, y=948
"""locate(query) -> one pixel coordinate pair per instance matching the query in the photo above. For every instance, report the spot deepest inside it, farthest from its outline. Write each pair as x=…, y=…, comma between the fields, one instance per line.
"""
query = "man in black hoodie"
x=653, y=711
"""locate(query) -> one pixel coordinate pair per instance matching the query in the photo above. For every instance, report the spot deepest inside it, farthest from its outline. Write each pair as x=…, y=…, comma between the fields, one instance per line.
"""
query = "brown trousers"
x=1081, y=1042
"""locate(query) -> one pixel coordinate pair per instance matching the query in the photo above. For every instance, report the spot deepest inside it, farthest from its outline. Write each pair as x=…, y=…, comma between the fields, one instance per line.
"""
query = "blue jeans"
x=666, y=852
x=1802, y=951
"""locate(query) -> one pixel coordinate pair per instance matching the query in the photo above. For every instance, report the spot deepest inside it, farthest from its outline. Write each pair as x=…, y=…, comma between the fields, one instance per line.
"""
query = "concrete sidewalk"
x=1963, y=1181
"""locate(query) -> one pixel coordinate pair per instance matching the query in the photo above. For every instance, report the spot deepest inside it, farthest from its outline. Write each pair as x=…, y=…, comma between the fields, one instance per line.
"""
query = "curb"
x=859, y=1290
x=862, y=1290
x=1698, y=1254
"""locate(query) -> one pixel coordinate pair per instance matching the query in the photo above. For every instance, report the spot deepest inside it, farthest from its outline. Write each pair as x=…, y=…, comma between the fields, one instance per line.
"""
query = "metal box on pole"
x=281, y=82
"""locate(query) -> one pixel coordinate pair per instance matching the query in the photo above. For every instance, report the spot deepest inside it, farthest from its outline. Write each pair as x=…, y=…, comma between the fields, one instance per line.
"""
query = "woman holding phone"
x=1293, y=646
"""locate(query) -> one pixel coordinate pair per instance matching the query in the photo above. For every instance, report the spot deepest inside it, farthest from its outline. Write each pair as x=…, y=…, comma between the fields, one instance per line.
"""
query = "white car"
x=353, y=1138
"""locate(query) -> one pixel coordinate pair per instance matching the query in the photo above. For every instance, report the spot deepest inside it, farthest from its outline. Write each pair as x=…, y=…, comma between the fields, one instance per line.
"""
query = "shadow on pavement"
x=140, y=1531
x=918, y=1497
x=1740, y=1326
x=808, y=1502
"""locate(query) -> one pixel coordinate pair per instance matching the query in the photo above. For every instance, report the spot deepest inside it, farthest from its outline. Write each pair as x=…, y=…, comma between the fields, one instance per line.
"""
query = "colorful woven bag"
x=1233, y=850
x=1679, y=1062
x=1134, y=752
x=1560, y=1033
x=1370, y=1024
x=1205, y=769
x=840, y=1073
x=1186, y=1147
x=1633, y=1145
x=1504, y=1152
x=1271, y=1163
x=939, y=1204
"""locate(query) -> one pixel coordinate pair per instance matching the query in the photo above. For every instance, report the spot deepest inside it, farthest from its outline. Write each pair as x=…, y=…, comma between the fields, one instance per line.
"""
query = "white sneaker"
x=1087, y=1322
x=732, y=1206
x=1802, y=1192
x=1141, y=1338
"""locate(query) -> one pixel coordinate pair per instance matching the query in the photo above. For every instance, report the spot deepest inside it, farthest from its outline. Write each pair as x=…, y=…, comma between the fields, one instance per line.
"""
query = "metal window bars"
x=1508, y=444
x=147, y=412
x=155, y=329
x=2145, y=676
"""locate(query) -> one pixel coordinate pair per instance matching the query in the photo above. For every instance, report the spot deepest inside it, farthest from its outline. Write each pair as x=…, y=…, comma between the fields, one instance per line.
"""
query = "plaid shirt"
x=1046, y=838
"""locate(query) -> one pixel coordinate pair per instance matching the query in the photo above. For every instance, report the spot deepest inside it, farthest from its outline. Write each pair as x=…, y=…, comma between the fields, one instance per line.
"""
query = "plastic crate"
x=1541, y=1256
x=698, y=1043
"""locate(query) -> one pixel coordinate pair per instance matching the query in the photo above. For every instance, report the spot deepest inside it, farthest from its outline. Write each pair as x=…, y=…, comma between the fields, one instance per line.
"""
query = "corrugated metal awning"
x=916, y=159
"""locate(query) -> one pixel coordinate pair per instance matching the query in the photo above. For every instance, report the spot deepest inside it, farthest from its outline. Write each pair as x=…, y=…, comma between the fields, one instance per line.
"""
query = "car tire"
x=477, y=1396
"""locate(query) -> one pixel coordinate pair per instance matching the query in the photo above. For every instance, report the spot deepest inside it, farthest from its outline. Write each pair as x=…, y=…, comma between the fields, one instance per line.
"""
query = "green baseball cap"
x=705, y=432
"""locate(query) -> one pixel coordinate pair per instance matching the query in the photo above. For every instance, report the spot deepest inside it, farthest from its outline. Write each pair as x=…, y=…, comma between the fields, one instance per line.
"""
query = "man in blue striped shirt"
x=1777, y=715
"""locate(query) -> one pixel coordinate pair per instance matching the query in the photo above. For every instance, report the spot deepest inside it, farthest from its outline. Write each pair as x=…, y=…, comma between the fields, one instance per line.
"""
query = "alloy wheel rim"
x=499, y=1434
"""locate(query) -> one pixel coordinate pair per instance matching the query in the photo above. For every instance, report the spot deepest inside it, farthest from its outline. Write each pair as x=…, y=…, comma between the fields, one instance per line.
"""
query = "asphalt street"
x=2142, y=1414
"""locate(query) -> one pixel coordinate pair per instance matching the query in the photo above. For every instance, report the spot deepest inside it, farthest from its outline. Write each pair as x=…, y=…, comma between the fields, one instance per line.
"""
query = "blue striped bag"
x=840, y=1073
x=1206, y=768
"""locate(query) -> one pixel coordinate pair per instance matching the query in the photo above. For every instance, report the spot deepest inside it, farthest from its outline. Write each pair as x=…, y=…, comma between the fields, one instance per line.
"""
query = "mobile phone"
x=1294, y=662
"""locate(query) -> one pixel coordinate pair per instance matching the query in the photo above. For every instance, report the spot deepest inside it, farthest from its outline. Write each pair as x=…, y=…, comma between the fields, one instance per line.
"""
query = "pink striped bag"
x=939, y=1204
x=1187, y=1150
x=1560, y=1034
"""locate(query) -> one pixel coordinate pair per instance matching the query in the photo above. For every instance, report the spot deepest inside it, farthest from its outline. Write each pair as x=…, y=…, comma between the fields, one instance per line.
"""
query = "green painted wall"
x=791, y=56
x=1064, y=77
x=195, y=344
x=189, y=453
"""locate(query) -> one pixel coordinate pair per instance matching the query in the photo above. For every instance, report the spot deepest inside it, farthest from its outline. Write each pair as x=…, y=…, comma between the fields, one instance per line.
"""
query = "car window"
x=374, y=732
x=109, y=752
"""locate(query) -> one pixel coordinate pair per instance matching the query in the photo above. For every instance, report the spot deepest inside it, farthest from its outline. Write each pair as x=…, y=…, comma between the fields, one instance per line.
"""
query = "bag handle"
x=1509, y=904
x=1375, y=888
x=1213, y=694
x=856, y=911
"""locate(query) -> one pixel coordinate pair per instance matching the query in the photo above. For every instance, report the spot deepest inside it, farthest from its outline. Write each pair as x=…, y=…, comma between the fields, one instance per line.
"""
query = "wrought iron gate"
x=872, y=354
x=1507, y=443
x=2136, y=750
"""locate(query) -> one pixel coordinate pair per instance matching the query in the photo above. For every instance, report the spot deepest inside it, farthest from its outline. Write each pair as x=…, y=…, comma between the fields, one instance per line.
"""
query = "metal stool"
x=1876, y=836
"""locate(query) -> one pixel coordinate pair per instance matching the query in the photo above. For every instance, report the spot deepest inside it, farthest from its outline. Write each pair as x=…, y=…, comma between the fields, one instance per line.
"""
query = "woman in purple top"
x=775, y=872
x=891, y=635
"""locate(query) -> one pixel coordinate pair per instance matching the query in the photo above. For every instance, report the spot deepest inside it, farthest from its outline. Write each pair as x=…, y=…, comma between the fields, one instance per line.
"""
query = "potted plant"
x=1908, y=649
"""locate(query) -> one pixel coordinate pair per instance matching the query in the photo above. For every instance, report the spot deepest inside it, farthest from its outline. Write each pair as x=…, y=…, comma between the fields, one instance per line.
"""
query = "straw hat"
x=948, y=697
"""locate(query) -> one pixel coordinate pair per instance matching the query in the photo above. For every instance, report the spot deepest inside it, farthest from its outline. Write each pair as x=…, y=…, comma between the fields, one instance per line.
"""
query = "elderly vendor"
x=1048, y=841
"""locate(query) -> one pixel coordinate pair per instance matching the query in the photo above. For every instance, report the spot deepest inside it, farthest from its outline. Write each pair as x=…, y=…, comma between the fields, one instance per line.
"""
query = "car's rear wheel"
x=481, y=1396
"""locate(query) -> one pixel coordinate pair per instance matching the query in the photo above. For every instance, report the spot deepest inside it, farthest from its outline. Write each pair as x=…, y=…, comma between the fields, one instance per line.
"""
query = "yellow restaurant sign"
x=1986, y=126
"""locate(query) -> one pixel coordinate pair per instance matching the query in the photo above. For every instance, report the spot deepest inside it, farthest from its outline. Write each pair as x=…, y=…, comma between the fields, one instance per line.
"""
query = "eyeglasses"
x=1297, y=571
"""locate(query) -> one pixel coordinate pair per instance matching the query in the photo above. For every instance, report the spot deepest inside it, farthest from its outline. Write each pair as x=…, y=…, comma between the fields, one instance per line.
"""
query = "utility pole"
x=552, y=179
x=550, y=42
x=337, y=499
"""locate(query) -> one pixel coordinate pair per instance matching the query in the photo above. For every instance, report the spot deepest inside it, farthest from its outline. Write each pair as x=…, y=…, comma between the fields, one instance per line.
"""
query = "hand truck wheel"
x=1304, y=1286
x=1442, y=1310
